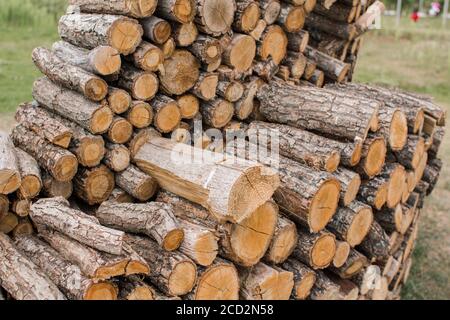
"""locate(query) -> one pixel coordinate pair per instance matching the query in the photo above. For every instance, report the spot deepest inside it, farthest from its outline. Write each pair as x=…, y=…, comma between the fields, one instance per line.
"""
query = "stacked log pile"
x=103, y=196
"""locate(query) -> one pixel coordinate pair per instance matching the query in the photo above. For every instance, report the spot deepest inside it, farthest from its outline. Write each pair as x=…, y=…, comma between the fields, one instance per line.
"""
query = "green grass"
x=417, y=58
x=414, y=57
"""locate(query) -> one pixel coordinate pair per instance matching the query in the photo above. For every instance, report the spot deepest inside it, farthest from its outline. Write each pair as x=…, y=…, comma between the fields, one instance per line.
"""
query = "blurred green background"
x=414, y=56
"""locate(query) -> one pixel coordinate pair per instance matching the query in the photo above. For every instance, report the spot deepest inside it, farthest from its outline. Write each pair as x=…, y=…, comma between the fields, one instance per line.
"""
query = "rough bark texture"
x=216, y=183
x=347, y=117
x=156, y=30
x=93, y=185
x=143, y=85
x=171, y=272
x=324, y=288
x=132, y=288
x=304, y=278
x=376, y=245
x=315, y=249
x=44, y=124
x=350, y=185
x=319, y=23
x=132, y=8
x=92, y=116
x=181, y=72
x=59, y=162
x=136, y=183
x=334, y=69
x=93, y=30
x=30, y=174
x=69, y=76
x=117, y=157
x=56, y=214
x=153, y=219
x=23, y=279
x=354, y=264
x=10, y=179
x=54, y=188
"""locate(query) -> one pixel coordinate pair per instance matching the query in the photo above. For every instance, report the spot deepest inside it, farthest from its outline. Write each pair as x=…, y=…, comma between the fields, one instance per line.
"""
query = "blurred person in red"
x=415, y=15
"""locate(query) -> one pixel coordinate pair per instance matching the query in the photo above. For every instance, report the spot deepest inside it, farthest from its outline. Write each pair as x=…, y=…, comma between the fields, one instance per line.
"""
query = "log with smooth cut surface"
x=53, y=188
x=133, y=288
x=246, y=16
x=206, y=86
x=30, y=173
x=94, y=117
x=304, y=278
x=184, y=34
x=143, y=85
x=136, y=183
x=140, y=114
x=8, y=222
x=270, y=10
x=22, y=278
x=62, y=164
x=315, y=249
x=117, y=157
x=240, y=52
x=182, y=11
x=283, y=242
x=215, y=17
x=102, y=60
x=118, y=100
x=181, y=72
x=342, y=253
x=273, y=44
x=156, y=30
x=353, y=265
x=63, y=273
x=373, y=156
x=93, y=185
x=9, y=167
x=147, y=56
x=291, y=17
x=230, y=188
x=93, y=30
x=167, y=113
x=56, y=214
x=153, y=219
x=350, y=184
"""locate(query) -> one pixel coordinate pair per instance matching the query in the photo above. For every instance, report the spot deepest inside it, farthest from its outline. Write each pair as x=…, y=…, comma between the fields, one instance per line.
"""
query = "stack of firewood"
x=102, y=193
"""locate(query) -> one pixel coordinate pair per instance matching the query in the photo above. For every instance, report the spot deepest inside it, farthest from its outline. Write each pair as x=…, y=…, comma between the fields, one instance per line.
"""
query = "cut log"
x=390, y=219
x=23, y=228
x=412, y=153
x=153, y=219
x=69, y=76
x=132, y=8
x=262, y=282
x=324, y=288
x=231, y=91
x=270, y=10
x=316, y=22
x=93, y=185
x=8, y=222
x=43, y=124
x=245, y=105
x=283, y=242
x=206, y=49
x=217, y=113
x=395, y=174
x=304, y=278
x=102, y=60
x=156, y=30
x=140, y=137
x=184, y=34
x=304, y=107
x=171, y=272
x=352, y=223
x=94, y=117
x=140, y=114
x=23, y=279
x=354, y=264
x=117, y=157
x=147, y=57
x=317, y=78
x=189, y=106
x=4, y=205
x=10, y=179
x=367, y=279
x=21, y=207
x=120, y=130
x=315, y=249
x=240, y=52
x=181, y=72
x=56, y=214
x=373, y=156
x=338, y=12
x=302, y=146
x=88, y=148
x=334, y=69
x=376, y=244
x=59, y=162
x=93, y=30
x=206, y=86
x=342, y=253
x=244, y=243
x=143, y=85
x=374, y=192
x=215, y=17
x=118, y=100
x=246, y=16
x=132, y=288
x=350, y=185
x=258, y=31
x=167, y=114
x=67, y=276
x=30, y=173
x=182, y=11
x=120, y=196
x=365, y=21
x=53, y=188
x=296, y=63
x=298, y=41
x=273, y=44
x=431, y=174
x=310, y=68
x=291, y=17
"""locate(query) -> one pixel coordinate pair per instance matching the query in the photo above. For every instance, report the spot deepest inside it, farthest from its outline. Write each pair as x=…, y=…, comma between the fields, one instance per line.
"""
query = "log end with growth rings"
x=303, y=287
x=106, y=60
x=359, y=226
x=398, y=131
x=324, y=205
x=218, y=282
x=182, y=278
x=65, y=168
x=341, y=255
x=9, y=181
x=101, y=120
x=101, y=291
x=173, y=239
x=125, y=35
x=323, y=251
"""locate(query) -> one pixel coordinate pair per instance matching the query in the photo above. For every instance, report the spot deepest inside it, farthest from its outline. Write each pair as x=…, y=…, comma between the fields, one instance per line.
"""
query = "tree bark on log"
x=234, y=239
x=118, y=100
x=132, y=8
x=147, y=57
x=315, y=249
x=395, y=174
x=342, y=253
x=324, y=288
x=390, y=219
x=52, y=188
x=59, y=162
x=69, y=76
x=56, y=214
x=136, y=183
x=21, y=207
x=350, y=185
x=270, y=10
x=102, y=60
x=304, y=107
x=334, y=69
x=182, y=11
x=354, y=264
x=239, y=52
x=132, y=288
x=291, y=17
x=8, y=222
x=23, y=279
x=30, y=173
x=10, y=179
x=93, y=30
x=217, y=185
x=157, y=30
x=184, y=34
x=337, y=12
x=315, y=22
x=373, y=156
x=217, y=113
x=153, y=219
x=215, y=17
x=94, y=117
x=117, y=157
x=273, y=44
x=206, y=86
x=120, y=130
x=93, y=185
x=171, y=272
x=262, y=282
x=43, y=123
x=304, y=278
x=66, y=275
x=376, y=244
x=4, y=205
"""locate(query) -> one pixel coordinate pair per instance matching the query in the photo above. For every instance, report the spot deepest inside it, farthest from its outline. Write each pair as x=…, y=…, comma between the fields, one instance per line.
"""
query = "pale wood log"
x=120, y=130
x=374, y=192
x=217, y=113
x=215, y=17
x=298, y=41
x=140, y=137
x=342, y=253
x=373, y=156
x=245, y=105
x=324, y=288
x=117, y=157
x=262, y=282
x=92, y=116
x=21, y=207
x=23, y=279
x=136, y=183
x=133, y=288
x=354, y=264
x=239, y=52
x=181, y=72
x=143, y=85
x=59, y=162
x=154, y=219
x=206, y=86
x=376, y=244
x=43, y=124
x=350, y=185
x=390, y=219
x=30, y=173
x=246, y=16
x=10, y=179
x=8, y=222
x=118, y=100
x=270, y=10
x=296, y=62
x=56, y=214
x=315, y=249
x=171, y=272
x=101, y=60
x=182, y=11
x=304, y=278
x=66, y=275
x=93, y=185
x=140, y=114
x=395, y=174
x=258, y=31
x=120, y=196
x=184, y=34
x=147, y=57
x=230, y=90
x=156, y=29
x=273, y=44
x=206, y=49
x=291, y=17
x=283, y=242
x=167, y=113
x=189, y=106
x=132, y=8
